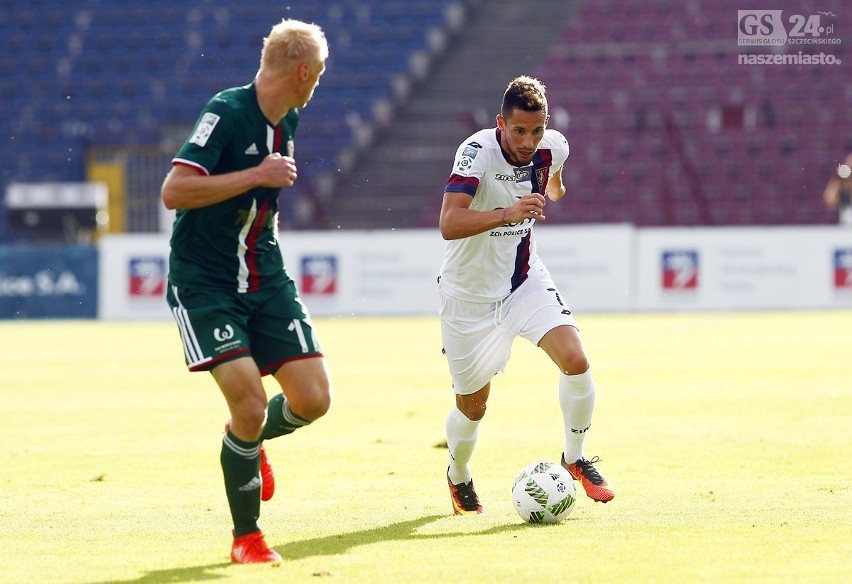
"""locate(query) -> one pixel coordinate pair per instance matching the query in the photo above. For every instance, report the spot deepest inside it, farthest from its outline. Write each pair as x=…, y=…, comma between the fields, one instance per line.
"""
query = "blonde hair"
x=291, y=42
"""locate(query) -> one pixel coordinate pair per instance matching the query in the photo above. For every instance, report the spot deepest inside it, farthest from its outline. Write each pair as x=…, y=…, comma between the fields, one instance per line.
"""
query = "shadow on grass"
x=338, y=544
x=320, y=546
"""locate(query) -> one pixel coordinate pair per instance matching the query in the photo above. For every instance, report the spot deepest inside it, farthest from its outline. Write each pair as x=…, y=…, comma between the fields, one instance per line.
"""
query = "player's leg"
x=576, y=387
x=305, y=396
x=462, y=426
x=539, y=310
x=294, y=358
x=476, y=350
x=284, y=344
x=577, y=401
x=215, y=337
x=240, y=383
x=548, y=322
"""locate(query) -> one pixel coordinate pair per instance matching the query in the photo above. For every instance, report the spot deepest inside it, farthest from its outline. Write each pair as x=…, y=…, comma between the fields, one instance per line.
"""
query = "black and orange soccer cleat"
x=594, y=483
x=464, y=498
x=252, y=549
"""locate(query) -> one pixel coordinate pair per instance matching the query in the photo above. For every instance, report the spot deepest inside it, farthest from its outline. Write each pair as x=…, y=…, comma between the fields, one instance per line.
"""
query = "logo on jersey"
x=523, y=174
x=252, y=149
x=843, y=269
x=147, y=276
x=541, y=177
x=223, y=335
x=507, y=177
x=680, y=270
x=204, y=129
x=471, y=149
x=319, y=275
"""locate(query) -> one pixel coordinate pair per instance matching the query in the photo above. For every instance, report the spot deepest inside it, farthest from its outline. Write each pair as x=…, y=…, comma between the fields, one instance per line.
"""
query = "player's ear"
x=303, y=71
x=501, y=122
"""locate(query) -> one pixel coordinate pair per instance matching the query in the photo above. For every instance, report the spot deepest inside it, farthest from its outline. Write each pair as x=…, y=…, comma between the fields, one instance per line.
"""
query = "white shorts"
x=478, y=337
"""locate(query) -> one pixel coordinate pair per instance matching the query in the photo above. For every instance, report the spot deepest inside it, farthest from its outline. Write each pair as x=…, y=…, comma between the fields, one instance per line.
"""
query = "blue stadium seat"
x=137, y=58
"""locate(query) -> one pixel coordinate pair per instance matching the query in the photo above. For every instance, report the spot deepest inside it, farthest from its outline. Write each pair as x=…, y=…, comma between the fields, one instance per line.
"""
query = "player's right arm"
x=189, y=187
x=458, y=220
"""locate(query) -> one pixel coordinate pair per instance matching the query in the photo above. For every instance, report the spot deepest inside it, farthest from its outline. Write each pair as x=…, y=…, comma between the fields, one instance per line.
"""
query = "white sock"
x=461, y=439
x=577, y=399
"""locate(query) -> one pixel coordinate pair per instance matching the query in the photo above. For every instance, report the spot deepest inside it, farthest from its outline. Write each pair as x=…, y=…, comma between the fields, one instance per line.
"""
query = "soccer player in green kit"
x=237, y=309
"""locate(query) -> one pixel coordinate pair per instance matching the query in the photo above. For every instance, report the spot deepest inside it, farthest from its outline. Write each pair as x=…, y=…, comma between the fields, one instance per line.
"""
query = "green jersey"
x=234, y=243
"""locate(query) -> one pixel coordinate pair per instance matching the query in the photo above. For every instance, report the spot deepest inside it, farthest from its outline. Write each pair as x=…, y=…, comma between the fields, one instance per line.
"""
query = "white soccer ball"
x=544, y=493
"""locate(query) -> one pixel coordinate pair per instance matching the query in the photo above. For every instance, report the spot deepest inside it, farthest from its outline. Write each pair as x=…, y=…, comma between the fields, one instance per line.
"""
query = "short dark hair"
x=524, y=93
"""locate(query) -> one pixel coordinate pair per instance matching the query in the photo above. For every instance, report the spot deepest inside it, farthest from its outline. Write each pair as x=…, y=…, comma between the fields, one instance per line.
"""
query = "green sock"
x=241, y=468
x=280, y=419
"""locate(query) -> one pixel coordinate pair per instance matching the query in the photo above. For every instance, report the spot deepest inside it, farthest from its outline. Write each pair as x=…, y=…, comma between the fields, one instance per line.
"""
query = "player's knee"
x=319, y=406
x=313, y=402
x=247, y=419
x=473, y=411
x=574, y=363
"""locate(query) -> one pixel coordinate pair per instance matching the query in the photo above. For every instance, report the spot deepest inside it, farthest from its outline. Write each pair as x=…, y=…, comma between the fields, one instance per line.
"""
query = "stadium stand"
x=666, y=128
x=116, y=74
x=673, y=131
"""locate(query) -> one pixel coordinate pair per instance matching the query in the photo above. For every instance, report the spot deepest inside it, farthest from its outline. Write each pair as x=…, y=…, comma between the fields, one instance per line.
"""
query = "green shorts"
x=272, y=326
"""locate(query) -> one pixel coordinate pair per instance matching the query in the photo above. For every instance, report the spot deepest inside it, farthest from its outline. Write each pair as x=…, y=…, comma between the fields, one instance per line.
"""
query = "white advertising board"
x=611, y=268
x=132, y=282
x=365, y=272
x=744, y=268
x=337, y=273
x=591, y=264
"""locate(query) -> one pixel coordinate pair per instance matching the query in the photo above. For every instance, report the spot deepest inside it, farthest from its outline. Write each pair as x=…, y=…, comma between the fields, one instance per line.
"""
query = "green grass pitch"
x=727, y=435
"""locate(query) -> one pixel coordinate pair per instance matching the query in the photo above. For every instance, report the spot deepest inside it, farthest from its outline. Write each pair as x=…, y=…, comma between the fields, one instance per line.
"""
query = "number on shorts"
x=565, y=311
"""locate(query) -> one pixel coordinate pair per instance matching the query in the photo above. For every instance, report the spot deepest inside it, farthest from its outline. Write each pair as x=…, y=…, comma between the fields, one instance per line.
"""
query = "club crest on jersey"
x=541, y=176
x=523, y=174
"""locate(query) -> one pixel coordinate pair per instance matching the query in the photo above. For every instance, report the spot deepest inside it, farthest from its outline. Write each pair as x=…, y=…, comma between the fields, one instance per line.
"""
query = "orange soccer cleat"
x=267, y=478
x=252, y=549
x=464, y=498
x=593, y=482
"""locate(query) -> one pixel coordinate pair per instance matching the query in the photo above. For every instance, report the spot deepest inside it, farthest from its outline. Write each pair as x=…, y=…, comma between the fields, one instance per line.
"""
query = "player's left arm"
x=831, y=194
x=555, y=189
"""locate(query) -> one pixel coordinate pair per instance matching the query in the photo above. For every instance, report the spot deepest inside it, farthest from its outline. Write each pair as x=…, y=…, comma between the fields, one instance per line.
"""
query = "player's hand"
x=528, y=207
x=277, y=171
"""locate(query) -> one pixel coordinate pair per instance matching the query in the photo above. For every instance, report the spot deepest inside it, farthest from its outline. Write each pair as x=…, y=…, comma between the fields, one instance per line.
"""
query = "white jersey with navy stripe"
x=488, y=266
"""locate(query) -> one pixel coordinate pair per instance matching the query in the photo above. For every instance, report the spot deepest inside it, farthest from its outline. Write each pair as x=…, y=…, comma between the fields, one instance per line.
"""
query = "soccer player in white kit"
x=493, y=287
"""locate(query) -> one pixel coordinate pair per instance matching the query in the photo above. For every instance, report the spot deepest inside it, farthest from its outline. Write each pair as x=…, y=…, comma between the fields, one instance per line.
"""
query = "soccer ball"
x=544, y=493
